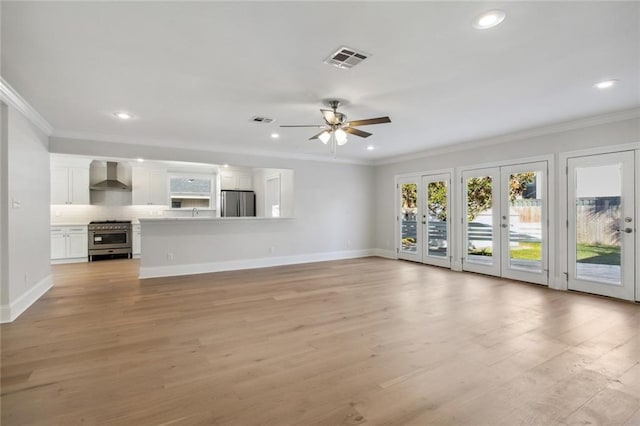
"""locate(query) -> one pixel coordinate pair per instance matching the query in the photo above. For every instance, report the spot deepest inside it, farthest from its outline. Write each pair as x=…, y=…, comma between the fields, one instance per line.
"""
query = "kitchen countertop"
x=211, y=219
x=133, y=222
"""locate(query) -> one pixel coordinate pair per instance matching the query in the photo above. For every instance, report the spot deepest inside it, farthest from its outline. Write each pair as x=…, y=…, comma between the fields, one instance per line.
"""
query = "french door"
x=409, y=219
x=436, y=214
x=424, y=219
x=505, y=226
x=601, y=225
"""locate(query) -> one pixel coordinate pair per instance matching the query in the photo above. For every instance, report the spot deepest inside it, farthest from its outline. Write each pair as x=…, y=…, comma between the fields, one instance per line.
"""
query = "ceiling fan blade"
x=302, y=125
x=379, y=120
x=330, y=116
x=316, y=136
x=356, y=132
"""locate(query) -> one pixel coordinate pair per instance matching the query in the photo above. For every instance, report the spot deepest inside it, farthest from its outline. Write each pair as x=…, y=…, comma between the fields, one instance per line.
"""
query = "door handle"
x=504, y=225
x=628, y=230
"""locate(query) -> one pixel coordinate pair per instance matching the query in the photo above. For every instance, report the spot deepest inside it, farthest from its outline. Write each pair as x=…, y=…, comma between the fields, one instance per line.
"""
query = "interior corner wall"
x=4, y=189
x=28, y=214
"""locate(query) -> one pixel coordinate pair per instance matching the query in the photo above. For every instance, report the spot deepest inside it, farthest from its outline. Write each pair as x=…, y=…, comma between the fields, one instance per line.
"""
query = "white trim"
x=580, y=123
x=8, y=313
x=11, y=97
x=70, y=260
x=387, y=254
x=265, y=262
x=504, y=163
x=426, y=173
x=203, y=146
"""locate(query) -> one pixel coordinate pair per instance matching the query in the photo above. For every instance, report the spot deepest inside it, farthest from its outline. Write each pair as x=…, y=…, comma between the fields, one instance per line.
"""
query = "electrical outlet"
x=348, y=243
x=26, y=278
x=272, y=250
x=169, y=256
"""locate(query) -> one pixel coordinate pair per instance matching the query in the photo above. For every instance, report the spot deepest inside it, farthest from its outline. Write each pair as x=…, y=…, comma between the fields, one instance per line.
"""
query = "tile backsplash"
x=63, y=214
x=83, y=214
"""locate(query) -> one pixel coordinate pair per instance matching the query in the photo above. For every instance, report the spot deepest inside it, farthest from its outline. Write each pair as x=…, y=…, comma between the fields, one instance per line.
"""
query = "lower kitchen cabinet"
x=69, y=243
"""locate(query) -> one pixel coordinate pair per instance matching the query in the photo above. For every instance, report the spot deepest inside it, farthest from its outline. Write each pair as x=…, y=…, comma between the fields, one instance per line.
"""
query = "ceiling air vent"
x=260, y=119
x=346, y=57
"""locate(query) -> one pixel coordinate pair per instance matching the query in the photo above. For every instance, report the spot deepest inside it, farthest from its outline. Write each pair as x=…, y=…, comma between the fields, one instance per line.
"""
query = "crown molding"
x=613, y=117
x=12, y=98
x=200, y=146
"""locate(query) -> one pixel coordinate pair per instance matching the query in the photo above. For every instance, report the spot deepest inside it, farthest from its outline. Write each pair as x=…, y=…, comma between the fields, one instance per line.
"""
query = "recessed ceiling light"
x=274, y=136
x=123, y=115
x=605, y=84
x=489, y=19
x=225, y=165
x=140, y=160
x=370, y=148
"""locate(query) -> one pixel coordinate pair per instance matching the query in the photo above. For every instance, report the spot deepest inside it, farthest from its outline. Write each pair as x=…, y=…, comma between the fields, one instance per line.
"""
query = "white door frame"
x=626, y=289
x=552, y=227
x=404, y=177
x=562, y=263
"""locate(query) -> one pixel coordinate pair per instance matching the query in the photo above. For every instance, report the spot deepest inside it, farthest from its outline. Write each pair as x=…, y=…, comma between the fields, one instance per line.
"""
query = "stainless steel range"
x=110, y=237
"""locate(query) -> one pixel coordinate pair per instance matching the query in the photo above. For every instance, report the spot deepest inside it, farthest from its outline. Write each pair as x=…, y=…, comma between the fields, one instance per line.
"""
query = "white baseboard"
x=388, y=254
x=70, y=260
x=265, y=262
x=8, y=313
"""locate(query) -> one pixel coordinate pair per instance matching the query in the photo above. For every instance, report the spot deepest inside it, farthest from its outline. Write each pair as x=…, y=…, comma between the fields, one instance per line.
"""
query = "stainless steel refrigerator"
x=238, y=203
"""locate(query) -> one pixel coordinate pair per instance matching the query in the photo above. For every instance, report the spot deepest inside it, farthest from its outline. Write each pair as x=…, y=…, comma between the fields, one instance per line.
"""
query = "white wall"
x=616, y=133
x=333, y=204
x=27, y=200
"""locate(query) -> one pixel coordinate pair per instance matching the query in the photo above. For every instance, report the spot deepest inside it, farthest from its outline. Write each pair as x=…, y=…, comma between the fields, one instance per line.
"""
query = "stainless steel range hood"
x=111, y=183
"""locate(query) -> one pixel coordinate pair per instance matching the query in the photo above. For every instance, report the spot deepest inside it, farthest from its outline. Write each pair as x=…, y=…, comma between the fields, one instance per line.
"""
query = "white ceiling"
x=195, y=73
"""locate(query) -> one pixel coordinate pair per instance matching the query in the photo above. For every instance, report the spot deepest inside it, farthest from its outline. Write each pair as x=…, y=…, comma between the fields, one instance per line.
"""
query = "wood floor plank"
x=362, y=341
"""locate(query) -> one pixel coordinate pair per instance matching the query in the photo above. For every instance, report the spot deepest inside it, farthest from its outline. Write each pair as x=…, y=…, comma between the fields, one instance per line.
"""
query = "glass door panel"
x=602, y=226
x=435, y=216
x=410, y=244
x=524, y=222
x=481, y=219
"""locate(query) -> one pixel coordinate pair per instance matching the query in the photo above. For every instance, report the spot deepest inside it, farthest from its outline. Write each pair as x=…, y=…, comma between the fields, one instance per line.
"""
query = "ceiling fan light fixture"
x=341, y=137
x=324, y=137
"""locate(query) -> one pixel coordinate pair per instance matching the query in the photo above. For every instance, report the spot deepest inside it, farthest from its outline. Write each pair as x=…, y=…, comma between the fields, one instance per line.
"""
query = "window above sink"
x=188, y=191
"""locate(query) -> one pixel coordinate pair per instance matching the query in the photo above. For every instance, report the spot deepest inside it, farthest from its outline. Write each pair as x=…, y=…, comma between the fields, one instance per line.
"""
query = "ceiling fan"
x=336, y=126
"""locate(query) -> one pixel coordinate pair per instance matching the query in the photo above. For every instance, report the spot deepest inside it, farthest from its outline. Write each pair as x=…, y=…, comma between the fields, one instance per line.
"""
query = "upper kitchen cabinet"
x=149, y=186
x=236, y=180
x=69, y=180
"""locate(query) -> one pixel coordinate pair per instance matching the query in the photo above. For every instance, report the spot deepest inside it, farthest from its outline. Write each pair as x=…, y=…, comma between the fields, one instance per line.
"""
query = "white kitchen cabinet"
x=69, y=185
x=136, y=241
x=236, y=181
x=69, y=242
x=58, y=245
x=149, y=186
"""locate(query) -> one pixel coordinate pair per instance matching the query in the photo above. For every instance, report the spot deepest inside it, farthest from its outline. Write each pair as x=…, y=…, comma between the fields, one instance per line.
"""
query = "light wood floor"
x=370, y=340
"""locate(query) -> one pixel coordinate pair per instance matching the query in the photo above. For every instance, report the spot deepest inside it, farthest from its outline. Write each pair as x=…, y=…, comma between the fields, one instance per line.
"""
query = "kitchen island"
x=193, y=245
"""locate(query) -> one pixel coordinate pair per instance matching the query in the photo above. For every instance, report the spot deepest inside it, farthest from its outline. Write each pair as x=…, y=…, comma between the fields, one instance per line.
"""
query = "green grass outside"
x=587, y=253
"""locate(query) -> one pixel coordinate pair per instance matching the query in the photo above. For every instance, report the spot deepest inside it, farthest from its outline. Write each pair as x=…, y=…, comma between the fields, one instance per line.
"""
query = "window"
x=191, y=191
